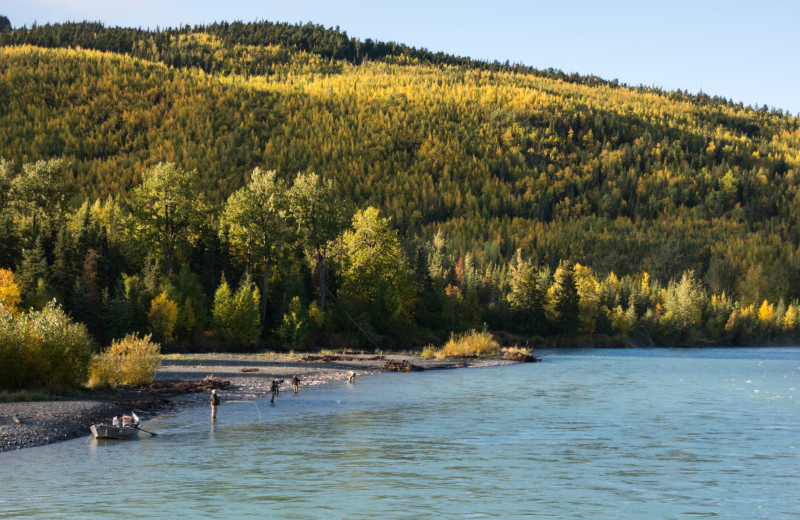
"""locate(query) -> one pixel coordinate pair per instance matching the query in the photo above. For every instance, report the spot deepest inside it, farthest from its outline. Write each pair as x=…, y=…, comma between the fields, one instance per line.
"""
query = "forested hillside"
x=481, y=169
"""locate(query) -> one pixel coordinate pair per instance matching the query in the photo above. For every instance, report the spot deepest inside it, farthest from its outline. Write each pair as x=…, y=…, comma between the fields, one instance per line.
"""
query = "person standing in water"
x=273, y=387
x=214, y=404
x=296, y=383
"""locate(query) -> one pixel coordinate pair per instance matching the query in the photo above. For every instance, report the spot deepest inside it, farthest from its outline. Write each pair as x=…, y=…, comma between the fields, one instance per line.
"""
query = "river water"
x=635, y=433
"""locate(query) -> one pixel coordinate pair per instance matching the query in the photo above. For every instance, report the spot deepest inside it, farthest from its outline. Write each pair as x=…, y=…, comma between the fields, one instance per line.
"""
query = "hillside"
x=498, y=158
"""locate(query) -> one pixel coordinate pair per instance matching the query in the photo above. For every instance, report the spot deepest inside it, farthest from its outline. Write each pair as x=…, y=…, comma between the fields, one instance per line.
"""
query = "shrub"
x=130, y=361
x=42, y=349
x=470, y=344
x=428, y=351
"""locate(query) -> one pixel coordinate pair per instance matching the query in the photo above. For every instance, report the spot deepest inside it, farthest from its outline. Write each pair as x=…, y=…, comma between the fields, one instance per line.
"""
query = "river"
x=633, y=433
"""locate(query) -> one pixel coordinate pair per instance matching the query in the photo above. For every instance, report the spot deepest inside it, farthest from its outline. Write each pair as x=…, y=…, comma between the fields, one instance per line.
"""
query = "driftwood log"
x=401, y=366
x=173, y=388
x=521, y=357
x=310, y=358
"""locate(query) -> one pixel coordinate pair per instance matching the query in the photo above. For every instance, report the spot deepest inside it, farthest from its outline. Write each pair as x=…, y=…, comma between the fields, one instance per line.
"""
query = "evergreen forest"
x=261, y=185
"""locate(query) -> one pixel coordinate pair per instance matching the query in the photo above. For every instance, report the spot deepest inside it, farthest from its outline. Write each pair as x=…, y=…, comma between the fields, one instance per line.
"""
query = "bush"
x=428, y=351
x=130, y=361
x=470, y=344
x=42, y=349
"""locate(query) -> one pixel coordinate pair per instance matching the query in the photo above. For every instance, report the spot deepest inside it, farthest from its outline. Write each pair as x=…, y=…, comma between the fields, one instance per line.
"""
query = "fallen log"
x=311, y=358
x=401, y=366
x=521, y=357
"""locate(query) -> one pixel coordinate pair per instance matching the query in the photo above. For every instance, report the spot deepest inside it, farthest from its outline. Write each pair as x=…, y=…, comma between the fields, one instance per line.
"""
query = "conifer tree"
x=527, y=297
x=32, y=269
x=64, y=268
x=565, y=300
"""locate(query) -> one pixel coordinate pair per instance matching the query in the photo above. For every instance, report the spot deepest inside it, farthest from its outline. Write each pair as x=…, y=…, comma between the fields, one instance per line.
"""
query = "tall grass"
x=470, y=344
x=130, y=361
x=42, y=349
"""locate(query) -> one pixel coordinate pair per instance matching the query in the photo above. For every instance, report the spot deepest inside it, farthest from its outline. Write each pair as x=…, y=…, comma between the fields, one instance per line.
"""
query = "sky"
x=745, y=51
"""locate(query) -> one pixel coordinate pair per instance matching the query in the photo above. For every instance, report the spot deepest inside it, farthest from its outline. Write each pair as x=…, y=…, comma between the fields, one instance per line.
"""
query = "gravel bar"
x=29, y=424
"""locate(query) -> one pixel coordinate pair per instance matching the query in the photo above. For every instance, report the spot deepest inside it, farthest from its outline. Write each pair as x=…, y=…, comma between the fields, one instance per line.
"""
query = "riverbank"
x=242, y=376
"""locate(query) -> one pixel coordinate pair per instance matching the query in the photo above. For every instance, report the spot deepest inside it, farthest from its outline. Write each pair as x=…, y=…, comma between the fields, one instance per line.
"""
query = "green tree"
x=236, y=315
x=7, y=176
x=169, y=208
x=319, y=215
x=527, y=296
x=88, y=296
x=40, y=194
x=683, y=304
x=256, y=219
x=64, y=268
x=376, y=278
x=566, y=309
x=294, y=327
x=223, y=308
x=245, y=326
x=32, y=270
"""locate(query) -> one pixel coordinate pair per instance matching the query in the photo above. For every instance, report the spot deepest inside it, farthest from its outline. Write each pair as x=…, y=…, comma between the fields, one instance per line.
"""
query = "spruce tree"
x=565, y=296
x=32, y=269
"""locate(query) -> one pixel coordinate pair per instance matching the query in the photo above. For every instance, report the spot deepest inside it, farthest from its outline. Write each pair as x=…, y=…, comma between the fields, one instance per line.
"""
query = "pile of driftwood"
x=173, y=388
x=521, y=357
x=401, y=366
x=310, y=358
x=156, y=395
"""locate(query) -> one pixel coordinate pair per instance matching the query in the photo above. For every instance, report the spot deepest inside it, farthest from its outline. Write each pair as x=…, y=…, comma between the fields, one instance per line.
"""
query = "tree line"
x=475, y=168
x=308, y=268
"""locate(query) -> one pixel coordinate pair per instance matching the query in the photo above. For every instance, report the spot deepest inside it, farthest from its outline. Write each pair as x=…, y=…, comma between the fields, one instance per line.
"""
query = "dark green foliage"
x=32, y=270
x=527, y=299
x=119, y=314
x=565, y=300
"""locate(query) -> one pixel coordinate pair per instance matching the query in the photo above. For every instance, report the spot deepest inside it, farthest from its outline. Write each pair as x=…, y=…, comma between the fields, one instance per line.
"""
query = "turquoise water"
x=641, y=433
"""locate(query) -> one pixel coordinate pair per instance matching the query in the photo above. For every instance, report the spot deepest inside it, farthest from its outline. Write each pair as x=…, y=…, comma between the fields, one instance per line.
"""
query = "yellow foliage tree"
x=9, y=291
x=766, y=313
x=163, y=317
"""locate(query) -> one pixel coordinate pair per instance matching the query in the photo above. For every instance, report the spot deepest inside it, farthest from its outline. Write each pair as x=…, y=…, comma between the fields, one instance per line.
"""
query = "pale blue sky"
x=744, y=51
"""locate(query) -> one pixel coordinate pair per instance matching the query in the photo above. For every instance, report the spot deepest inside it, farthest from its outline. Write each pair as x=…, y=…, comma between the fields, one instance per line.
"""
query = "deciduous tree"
x=169, y=207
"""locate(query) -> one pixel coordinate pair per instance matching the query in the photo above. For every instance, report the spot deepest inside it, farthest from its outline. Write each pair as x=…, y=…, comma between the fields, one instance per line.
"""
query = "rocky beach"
x=184, y=381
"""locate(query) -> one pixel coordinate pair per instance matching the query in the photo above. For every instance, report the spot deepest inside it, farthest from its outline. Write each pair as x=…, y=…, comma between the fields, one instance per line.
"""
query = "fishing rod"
x=251, y=402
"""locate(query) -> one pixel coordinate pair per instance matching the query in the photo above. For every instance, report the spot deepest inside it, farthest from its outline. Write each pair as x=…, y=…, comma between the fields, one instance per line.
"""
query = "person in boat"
x=273, y=387
x=296, y=383
x=214, y=403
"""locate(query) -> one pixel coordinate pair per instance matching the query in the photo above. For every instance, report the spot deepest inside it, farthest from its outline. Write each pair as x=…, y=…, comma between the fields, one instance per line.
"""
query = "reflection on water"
x=588, y=434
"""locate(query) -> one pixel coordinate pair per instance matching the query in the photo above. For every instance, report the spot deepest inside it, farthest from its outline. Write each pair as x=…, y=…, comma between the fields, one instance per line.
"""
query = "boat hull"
x=107, y=431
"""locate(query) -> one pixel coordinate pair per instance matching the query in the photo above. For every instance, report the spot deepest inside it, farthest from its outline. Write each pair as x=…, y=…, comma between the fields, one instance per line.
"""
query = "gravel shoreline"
x=29, y=424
